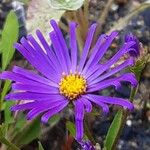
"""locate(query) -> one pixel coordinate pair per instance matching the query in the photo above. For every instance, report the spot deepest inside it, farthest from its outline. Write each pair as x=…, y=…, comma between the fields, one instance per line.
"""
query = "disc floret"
x=72, y=86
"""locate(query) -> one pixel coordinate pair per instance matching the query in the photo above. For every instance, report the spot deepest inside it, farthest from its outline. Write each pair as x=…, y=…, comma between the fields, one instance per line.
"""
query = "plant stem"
x=125, y=113
x=88, y=133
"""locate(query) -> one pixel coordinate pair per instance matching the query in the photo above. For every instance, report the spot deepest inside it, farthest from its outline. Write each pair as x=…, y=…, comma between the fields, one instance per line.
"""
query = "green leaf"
x=40, y=146
x=71, y=128
x=30, y=132
x=113, y=131
x=9, y=37
x=0, y=45
x=7, y=113
x=139, y=66
x=66, y=4
x=21, y=121
x=53, y=120
x=5, y=141
x=4, y=92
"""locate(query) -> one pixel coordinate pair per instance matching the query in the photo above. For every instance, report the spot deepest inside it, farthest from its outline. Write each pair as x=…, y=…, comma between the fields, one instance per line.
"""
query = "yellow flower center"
x=72, y=86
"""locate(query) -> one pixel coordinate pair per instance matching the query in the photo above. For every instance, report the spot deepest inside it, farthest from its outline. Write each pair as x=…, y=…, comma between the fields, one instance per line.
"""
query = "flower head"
x=135, y=49
x=87, y=145
x=66, y=79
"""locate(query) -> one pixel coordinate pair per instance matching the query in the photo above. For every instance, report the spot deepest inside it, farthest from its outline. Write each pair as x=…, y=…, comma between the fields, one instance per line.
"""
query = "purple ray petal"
x=36, y=104
x=62, y=41
x=53, y=111
x=87, y=104
x=41, y=67
x=95, y=50
x=91, y=70
x=35, y=88
x=31, y=75
x=135, y=49
x=86, y=145
x=128, y=77
x=32, y=96
x=59, y=51
x=73, y=46
x=42, y=53
x=114, y=59
x=104, y=106
x=96, y=79
x=49, y=51
x=79, y=115
x=16, y=77
x=112, y=100
x=100, y=53
x=87, y=46
x=21, y=79
x=36, y=111
x=36, y=51
x=42, y=40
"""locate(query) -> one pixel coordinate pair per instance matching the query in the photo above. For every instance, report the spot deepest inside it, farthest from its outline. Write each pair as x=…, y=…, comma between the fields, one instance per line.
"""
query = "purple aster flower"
x=135, y=49
x=66, y=79
x=87, y=145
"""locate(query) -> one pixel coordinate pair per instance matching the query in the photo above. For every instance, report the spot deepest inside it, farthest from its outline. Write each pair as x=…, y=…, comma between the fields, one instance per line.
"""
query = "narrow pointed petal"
x=112, y=100
x=128, y=77
x=35, y=88
x=49, y=51
x=31, y=75
x=36, y=51
x=125, y=48
x=87, y=46
x=38, y=110
x=100, y=53
x=91, y=70
x=79, y=115
x=104, y=106
x=53, y=111
x=31, y=96
x=43, y=67
x=96, y=78
x=62, y=41
x=87, y=104
x=36, y=104
x=100, y=48
x=73, y=46
x=59, y=51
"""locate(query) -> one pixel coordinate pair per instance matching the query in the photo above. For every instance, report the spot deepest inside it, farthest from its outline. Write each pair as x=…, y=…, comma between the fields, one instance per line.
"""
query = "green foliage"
x=7, y=113
x=66, y=4
x=10, y=146
x=9, y=37
x=21, y=121
x=5, y=88
x=24, y=1
x=4, y=92
x=28, y=133
x=139, y=66
x=113, y=131
x=40, y=146
x=71, y=128
x=53, y=120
